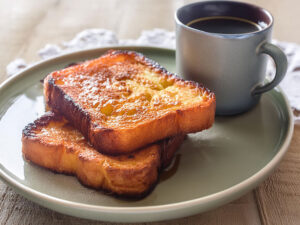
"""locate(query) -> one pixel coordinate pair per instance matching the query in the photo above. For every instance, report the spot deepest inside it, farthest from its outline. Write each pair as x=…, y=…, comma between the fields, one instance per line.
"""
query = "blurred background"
x=27, y=25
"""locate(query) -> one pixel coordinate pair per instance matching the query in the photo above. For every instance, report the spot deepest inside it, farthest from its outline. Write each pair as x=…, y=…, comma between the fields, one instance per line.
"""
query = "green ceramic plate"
x=211, y=168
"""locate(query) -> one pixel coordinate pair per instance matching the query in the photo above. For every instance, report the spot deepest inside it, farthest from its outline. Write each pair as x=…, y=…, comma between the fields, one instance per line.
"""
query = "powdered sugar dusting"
x=158, y=37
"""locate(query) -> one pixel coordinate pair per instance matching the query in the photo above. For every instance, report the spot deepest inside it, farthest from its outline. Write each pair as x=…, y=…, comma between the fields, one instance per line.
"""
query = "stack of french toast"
x=116, y=121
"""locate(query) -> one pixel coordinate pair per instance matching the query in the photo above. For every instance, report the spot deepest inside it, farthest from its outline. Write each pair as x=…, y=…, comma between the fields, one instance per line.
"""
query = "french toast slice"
x=51, y=142
x=123, y=101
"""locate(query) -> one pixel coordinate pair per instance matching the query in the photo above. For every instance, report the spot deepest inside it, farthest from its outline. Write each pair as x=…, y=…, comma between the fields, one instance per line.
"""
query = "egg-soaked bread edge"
x=121, y=140
x=131, y=175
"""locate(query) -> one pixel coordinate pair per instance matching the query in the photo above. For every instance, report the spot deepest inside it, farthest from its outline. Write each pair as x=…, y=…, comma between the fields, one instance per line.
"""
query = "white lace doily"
x=158, y=37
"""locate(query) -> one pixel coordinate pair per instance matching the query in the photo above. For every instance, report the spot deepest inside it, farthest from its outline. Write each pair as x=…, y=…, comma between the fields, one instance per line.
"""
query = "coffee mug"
x=223, y=55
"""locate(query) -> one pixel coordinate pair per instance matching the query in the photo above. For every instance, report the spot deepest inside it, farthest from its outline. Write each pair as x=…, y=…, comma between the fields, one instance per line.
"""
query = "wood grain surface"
x=27, y=25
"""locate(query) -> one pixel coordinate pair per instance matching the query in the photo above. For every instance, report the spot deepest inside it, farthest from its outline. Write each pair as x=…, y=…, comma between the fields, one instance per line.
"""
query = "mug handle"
x=280, y=61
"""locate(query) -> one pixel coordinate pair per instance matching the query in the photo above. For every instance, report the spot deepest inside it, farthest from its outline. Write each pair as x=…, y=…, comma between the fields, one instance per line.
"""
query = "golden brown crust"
x=149, y=122
x=52, y=143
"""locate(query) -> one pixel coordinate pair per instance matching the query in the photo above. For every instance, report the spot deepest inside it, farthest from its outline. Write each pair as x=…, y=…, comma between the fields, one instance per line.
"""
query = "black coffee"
x=224, y=25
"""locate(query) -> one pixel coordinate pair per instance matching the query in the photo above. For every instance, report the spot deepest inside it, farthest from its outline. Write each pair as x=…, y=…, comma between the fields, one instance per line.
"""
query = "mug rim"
x=222, y=35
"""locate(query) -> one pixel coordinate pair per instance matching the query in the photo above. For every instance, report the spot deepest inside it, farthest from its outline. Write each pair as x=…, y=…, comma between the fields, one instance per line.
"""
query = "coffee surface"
x=224, y=25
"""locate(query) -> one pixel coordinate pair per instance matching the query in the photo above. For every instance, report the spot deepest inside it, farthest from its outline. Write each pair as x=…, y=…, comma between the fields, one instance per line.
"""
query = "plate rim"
x=244, y=185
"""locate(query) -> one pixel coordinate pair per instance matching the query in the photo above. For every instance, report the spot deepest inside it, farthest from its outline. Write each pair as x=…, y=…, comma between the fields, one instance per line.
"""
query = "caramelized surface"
x=123, y=101
x=53, y=143
x=122, y=90
x=60, y=132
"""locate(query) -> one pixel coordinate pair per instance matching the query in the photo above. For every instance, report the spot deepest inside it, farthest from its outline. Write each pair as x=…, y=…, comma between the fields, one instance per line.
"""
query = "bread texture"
x=51, y=142
x=123, y=101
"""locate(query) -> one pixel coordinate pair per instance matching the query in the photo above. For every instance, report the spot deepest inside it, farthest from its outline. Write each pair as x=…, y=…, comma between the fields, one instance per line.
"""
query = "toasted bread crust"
x=52, y=143
x=128, y=137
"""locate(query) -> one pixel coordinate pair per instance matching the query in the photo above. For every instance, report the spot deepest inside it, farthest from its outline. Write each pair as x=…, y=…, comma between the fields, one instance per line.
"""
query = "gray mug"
x=231, y=65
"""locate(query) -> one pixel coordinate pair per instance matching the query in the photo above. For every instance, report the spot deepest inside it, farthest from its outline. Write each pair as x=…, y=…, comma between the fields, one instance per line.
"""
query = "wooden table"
x=27, y=25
